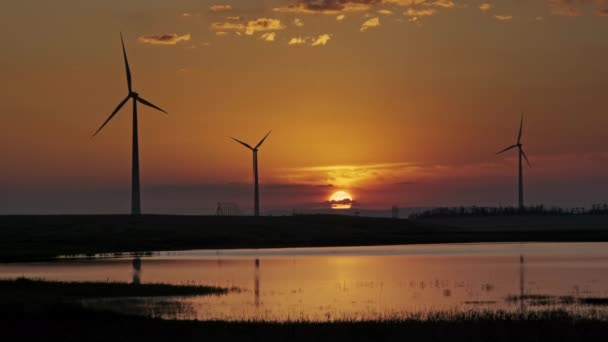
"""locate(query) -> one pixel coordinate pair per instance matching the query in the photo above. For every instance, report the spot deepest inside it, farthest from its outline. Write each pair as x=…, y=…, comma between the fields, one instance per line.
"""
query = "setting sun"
x=341, y=200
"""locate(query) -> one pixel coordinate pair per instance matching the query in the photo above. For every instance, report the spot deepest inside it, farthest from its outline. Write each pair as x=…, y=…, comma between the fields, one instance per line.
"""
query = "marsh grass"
x=78, y=324
x=171, y=308
x=549, y=300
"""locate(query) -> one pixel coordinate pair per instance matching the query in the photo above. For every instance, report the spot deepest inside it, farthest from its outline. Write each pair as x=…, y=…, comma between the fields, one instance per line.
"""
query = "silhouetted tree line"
x=475, y=211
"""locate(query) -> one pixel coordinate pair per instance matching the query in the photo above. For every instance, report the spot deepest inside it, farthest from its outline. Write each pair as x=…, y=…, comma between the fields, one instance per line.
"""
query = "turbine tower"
x=135, y=195
x=256, y=192
x=521, y=154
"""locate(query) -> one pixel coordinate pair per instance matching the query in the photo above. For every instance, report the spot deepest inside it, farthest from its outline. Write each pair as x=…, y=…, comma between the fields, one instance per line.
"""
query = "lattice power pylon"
x=227, y=209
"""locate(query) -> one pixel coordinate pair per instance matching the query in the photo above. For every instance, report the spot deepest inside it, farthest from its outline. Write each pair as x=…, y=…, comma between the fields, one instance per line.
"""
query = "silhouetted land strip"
x=24, y=238
x=73, y=323
x=52, y=290
x=539, y=210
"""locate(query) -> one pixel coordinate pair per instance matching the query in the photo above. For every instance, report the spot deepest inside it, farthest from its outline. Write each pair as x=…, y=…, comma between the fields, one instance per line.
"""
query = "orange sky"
x=396, y=101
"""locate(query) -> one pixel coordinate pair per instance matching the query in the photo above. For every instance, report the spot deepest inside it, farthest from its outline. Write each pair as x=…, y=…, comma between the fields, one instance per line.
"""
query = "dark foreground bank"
x=63, y=323
x=26, y=238
x=36, y=298
x=22, y=289
x=51, y=311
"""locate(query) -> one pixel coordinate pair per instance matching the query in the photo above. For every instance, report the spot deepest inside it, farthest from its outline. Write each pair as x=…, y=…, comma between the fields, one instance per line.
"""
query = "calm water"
x=352, y=282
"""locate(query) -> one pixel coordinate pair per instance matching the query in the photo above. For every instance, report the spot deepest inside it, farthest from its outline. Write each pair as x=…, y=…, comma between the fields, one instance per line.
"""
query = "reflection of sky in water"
x=351, y=282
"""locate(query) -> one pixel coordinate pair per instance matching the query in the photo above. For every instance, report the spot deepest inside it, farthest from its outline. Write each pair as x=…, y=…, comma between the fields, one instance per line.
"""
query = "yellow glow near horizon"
x=341, y=200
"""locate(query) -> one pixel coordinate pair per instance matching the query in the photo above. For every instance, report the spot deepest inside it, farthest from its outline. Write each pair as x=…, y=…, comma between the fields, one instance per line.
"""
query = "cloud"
x=298, y=22
x=321, y=40
x=262, y=25
x=426, y=3
x=188, y=15
x=582, y=2
x=165, y=39
x=220, y=8
x=328, y=6
x=408, y=184
x=234, y=18
x=575, y=8
x=373, y=22
x=297, y=41
x=346, y=203
x=227, y=26
x=268, y=36
x=418, y=9
x=425, y=12
x=350, y=175
x=385, y=12
x=340, y=17
x=251, y=27
x=565, y=11
x=342, y=6
x=485, y=7
x=503, y=17
x=444, y=3
x=406, y=3
x=416, y=14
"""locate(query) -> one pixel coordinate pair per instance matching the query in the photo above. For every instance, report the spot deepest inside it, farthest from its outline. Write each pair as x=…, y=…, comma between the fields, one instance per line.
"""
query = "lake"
x=351, y=282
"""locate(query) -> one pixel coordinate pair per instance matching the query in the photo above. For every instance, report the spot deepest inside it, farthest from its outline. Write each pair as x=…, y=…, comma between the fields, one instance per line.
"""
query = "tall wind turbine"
x=521, y=154
x=135, y=196
x=256, y=193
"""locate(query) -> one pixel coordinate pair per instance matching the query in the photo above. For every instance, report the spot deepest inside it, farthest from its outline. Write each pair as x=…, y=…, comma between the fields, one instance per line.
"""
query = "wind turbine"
x=521, y=154
x=135, y=196
x=256, y=193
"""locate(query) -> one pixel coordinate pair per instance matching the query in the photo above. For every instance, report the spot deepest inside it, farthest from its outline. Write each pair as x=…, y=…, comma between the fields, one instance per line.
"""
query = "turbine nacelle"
x=254, y=149
x=518, y=145
x=134, y=95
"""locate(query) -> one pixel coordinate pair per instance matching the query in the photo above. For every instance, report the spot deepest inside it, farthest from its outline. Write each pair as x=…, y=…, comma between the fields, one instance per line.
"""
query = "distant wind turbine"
x=256, y=193
x=135, y=196
x=521, y=154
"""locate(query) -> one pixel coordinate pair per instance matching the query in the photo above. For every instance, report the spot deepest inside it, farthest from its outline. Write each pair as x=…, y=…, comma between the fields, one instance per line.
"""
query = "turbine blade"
x=506, y=149
x=113, y=113
x=242, y=143
x=124, y=53
x=262, y=141
x=526, y=158
x=521, y=126
x=143, y=101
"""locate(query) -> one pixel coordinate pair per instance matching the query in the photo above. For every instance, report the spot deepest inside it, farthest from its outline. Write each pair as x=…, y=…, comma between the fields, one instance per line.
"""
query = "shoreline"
x=269, y=253
x=44, y=238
